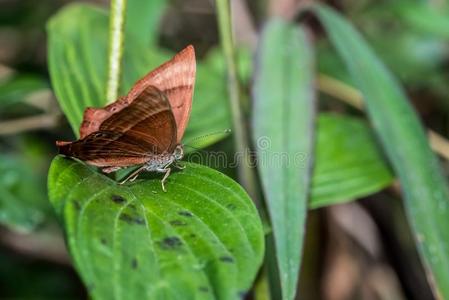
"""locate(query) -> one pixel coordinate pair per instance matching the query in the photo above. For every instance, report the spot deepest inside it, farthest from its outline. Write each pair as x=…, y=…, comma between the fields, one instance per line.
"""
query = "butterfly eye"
x=98, y=135
x=179, y=152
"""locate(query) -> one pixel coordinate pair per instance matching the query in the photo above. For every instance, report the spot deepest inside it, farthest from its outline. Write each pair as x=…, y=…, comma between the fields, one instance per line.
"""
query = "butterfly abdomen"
x=66, y=148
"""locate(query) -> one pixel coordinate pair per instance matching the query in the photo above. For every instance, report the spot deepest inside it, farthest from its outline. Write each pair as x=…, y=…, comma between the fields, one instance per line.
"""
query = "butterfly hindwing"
x=148, y=118
x=144, y=128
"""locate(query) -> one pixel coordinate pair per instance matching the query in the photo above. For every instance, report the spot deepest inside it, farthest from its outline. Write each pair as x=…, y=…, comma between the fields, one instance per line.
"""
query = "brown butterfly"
x=144, y=127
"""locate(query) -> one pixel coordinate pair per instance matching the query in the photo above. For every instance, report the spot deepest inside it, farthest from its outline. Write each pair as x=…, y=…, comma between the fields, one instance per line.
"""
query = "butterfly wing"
x=133, y=135
x=175, y=78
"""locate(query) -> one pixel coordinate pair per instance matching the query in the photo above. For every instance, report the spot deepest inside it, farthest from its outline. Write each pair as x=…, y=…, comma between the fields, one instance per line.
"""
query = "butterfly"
x=142, y=128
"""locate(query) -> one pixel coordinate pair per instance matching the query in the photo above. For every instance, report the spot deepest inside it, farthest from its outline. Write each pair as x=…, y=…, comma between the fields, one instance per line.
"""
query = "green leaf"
x=348, y=163
x=142, y=19
x=283, y=126
x=202, y=239
x=78, y=63
x=405, y=142
x=77, y=39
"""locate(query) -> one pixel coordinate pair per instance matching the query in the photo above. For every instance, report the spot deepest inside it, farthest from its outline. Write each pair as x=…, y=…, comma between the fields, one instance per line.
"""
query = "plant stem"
x=44, y=121
x=116, y=29
x=35, y=245
x=246, y=174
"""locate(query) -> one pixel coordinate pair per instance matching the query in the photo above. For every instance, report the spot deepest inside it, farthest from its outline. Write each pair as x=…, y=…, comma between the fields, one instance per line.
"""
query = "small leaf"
x=348, y=163
x=202, y=239
x=283, y=127
x=405, y=142
x=78, y=63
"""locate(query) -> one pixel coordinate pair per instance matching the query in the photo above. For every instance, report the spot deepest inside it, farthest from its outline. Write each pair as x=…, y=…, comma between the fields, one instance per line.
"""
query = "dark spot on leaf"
x=178, y=223
x=192, y=235
x=204, y=289
x=76, y=204
x=134, y=263
x=231, y=206
x=170, y=243
x=243, y=294
x=227, y=259
x=118, y=199
x=103, y=241
x=132, y=220
x=132, y=206
x=139, y=221
x=185, y=213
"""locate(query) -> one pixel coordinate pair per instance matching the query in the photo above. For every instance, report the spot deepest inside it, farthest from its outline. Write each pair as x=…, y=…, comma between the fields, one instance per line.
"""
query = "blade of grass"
x=404, y=140
x=246, y=174
x=283, y=120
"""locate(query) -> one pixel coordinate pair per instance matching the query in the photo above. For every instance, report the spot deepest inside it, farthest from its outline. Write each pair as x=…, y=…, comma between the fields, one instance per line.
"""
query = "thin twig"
x=40, y=244
x=43, y=121
x=246, y=174
x=353, y=97
x=438, y=143
x=116, y=36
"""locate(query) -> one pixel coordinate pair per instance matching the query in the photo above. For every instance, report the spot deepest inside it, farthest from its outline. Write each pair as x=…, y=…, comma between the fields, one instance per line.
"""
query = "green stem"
x=116, y=36
x=246, y=174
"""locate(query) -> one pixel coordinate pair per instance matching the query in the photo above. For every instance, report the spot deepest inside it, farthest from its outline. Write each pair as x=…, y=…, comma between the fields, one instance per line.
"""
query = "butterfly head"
x=178, y=153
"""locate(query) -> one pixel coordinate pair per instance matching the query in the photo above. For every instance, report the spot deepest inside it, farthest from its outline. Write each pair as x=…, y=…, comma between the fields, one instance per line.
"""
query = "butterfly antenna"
x=195, y=148
x=205, y=136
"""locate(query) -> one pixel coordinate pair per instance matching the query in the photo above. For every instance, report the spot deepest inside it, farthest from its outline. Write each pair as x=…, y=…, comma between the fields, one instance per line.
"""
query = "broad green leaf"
x=77, y=47
x=142, y=19
x=405, y=142
x=283, y=120
x=78, y=63
x=348, y=163
x=202, y=239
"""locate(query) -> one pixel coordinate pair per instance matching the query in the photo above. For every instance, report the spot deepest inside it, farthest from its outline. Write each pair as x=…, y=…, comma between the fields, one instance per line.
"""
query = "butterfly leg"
x=167, y=172
x=131, y=177
x=179, y=166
